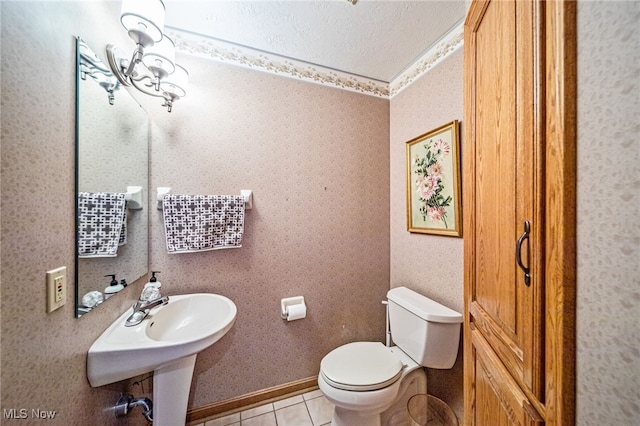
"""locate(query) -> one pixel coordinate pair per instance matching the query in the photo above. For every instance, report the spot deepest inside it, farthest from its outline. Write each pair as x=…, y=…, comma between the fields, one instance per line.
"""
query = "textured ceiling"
x=372, y=39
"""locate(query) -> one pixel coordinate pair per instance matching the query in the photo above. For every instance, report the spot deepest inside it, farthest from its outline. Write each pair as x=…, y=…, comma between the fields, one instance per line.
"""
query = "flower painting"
x=433, y=182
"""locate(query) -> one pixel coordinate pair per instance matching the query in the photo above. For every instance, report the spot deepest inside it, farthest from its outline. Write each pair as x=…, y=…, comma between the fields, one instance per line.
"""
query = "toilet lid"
x=361, y=366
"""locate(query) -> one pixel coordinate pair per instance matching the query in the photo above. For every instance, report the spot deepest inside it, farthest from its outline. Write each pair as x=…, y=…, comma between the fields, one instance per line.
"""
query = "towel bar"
x=134, y=197
x=161, y=191
x=246, y=193
x=248, y=198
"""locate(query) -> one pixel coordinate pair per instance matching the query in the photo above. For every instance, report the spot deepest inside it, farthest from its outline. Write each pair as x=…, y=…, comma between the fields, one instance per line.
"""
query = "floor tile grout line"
x=272, y=409
x=309, y=412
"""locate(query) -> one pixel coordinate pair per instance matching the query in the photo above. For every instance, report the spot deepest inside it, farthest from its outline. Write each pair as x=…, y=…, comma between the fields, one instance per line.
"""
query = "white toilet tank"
x=424, y=329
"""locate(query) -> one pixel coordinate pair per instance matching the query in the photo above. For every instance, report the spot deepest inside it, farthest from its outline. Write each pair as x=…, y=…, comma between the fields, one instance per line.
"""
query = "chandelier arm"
x=135, y=60
x=143, y=89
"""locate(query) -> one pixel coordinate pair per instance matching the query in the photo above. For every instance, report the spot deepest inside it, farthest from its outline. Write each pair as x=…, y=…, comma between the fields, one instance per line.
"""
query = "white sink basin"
x=185, y=326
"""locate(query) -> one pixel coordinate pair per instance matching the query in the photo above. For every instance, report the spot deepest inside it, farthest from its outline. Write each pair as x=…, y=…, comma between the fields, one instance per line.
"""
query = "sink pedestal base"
x=171, y=386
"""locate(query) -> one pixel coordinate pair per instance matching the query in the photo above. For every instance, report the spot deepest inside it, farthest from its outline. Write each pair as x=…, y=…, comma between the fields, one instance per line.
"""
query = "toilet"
x=370, y=383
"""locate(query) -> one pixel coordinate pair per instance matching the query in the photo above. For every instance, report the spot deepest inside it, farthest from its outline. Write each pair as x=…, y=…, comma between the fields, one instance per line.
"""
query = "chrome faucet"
x=141, y=308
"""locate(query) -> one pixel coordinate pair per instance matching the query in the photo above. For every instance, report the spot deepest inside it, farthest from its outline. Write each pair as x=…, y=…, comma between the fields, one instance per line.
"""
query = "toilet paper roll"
x=296, y=312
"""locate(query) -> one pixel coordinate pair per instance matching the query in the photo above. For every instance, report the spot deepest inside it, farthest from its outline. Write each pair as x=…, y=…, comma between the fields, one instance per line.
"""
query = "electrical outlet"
x=56, y=288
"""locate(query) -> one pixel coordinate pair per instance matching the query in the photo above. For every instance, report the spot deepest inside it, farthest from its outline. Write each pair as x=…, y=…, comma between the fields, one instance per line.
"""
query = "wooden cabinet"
x=517, y=90
x=498, y=398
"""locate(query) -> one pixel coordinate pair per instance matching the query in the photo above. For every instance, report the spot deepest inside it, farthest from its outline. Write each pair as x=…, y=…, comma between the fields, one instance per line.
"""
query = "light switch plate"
x=56, y=288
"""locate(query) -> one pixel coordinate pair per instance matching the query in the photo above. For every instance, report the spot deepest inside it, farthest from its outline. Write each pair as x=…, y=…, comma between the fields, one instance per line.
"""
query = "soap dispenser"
x=153, y=281
x=113, y=286
x=151, y=290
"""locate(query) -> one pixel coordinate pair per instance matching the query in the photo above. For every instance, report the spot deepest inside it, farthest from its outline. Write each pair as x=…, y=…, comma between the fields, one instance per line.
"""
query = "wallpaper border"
x=222, y=51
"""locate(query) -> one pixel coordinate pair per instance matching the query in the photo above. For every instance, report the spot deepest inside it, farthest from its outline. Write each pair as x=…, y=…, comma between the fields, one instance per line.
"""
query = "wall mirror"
x=112, y=173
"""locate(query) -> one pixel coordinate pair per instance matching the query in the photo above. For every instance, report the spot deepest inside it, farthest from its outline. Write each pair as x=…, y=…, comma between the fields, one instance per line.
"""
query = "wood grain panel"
x=560, y=211
x=519, y=164
x=500, y=400
x=530, y=184
x=495, y=191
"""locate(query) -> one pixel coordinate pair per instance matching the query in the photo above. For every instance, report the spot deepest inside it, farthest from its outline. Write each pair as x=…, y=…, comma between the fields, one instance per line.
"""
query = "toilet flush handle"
x=387, y=330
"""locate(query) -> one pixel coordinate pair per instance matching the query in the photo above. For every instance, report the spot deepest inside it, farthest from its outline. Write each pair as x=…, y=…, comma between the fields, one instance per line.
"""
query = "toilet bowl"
x=367, y=381
x=364, y=387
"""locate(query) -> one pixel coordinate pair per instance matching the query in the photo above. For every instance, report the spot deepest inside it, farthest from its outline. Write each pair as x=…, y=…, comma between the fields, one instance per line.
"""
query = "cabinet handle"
x=524, y=236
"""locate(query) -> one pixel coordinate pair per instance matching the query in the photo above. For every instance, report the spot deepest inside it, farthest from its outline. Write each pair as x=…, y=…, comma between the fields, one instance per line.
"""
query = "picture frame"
x=433, y=182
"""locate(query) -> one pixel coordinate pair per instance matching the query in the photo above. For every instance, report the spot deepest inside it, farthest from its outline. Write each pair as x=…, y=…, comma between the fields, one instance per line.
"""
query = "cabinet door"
x=503, y=184
x=498, y=398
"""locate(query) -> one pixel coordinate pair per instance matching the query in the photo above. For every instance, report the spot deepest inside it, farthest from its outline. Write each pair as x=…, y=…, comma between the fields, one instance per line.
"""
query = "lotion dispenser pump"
x=153, y=281
x=151, y=290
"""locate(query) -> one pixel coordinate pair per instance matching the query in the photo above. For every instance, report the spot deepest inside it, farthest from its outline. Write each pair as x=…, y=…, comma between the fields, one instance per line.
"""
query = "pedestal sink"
x=167, y=343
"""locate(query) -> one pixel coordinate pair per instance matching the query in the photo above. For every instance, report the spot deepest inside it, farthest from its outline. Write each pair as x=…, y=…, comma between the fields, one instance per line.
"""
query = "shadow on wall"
x=447, y=385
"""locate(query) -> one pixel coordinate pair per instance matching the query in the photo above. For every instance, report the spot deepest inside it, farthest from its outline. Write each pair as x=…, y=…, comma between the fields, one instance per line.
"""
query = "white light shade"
x=176, y=83
x=144, y=20
x=160, y=58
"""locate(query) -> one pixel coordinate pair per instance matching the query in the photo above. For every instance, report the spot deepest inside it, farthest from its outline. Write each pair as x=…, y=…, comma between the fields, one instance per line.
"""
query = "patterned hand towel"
x=123, y=233
x=101, y=217
x=195, y=223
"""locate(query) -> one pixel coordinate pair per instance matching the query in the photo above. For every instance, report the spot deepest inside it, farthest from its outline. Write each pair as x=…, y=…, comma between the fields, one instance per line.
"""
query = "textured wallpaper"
x=429, y=264
x=44, y=355
x=327, y=169
x=608, y=323
x=317, y=161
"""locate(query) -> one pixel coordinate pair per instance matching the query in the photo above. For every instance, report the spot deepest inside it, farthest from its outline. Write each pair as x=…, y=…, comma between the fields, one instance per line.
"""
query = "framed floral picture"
x=433, y=182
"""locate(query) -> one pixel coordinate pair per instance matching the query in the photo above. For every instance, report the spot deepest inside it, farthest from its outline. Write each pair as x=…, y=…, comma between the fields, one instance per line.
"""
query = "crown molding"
x=246, y=57
x=448, y=44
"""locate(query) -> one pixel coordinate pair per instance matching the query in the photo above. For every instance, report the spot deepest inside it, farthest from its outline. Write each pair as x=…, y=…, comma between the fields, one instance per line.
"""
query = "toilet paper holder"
x=289, y=301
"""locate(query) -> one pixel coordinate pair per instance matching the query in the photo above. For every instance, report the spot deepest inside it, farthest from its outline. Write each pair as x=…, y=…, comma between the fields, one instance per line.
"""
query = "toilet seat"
x=361, y=366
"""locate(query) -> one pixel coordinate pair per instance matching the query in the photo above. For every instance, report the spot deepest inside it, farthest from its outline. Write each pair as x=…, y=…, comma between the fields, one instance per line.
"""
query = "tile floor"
x=308, y=409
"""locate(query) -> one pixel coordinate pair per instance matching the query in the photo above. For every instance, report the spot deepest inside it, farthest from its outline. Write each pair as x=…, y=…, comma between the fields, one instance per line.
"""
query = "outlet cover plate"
x=56, y=288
